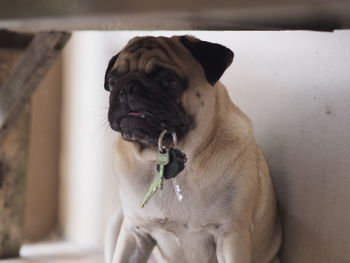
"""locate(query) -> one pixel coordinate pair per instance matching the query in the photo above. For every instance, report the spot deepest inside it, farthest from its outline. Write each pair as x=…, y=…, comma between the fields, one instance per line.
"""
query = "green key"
x=162, y=161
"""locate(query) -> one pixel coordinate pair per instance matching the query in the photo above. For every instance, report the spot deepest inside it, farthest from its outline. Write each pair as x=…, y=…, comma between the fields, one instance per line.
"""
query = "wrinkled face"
x=147, y=81
x=145, y=100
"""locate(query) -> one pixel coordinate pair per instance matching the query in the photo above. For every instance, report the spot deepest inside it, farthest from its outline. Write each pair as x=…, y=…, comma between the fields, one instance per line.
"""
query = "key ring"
x=160, y=140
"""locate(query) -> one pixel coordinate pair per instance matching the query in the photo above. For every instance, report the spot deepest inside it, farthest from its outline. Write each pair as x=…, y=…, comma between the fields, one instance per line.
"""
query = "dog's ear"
x=109, y=67
x=214, y=58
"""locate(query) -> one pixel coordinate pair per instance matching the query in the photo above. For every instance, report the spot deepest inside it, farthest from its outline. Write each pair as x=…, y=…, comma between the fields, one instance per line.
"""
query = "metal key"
x=162, y=160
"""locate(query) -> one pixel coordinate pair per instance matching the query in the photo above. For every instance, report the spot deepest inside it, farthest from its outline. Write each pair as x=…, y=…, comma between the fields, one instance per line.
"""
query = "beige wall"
x=41, y=208
x=295, y=86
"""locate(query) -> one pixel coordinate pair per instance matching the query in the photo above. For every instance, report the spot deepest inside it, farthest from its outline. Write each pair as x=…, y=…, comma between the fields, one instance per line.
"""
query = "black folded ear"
x=109, y=67
x=214, y=58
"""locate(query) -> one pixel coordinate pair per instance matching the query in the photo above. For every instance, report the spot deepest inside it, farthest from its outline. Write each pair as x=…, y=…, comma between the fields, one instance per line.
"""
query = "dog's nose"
x=128, y=90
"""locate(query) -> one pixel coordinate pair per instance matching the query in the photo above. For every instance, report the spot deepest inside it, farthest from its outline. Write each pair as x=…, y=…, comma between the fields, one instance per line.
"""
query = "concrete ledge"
x=56, y=252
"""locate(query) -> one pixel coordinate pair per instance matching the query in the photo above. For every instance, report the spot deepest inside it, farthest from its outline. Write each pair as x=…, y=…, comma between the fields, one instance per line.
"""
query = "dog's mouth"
x=140, y=114
x=144, y=127
x=136, y=114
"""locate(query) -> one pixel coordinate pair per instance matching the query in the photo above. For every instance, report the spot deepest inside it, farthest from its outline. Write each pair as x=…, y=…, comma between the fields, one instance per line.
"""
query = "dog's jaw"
x=145, y=114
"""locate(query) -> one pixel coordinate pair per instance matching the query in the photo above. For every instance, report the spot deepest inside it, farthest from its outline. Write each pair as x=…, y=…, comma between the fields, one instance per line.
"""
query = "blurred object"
x=175, y=15
x=22, y=75
x=26, y=75
x=41, y=206
x=13, y=160
x=13, y=154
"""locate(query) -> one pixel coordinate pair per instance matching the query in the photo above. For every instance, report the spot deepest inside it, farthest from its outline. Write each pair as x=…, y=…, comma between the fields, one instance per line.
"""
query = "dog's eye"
x=111, y=82
x=169, y=83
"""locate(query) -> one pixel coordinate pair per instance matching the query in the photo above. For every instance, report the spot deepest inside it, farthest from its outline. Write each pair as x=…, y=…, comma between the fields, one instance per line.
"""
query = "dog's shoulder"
x=231, y=133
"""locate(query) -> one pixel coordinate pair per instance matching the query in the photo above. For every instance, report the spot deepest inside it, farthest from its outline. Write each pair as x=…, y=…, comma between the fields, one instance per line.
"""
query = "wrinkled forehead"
x=146, y=54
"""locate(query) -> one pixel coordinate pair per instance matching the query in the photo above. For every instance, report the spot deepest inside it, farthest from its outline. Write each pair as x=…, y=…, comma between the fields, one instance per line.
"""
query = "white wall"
x=87, y=192
x=295, y=86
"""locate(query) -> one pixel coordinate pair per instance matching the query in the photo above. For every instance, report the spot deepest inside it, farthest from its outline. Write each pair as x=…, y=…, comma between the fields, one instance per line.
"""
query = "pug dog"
x=228, y=212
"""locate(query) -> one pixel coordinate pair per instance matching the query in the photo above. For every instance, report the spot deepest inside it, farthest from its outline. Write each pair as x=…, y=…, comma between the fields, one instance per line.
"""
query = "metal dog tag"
x=178, y=191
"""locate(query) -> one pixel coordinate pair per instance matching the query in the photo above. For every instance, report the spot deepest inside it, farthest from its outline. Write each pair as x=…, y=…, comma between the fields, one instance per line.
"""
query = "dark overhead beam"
x=181, y=14
x=13, y=40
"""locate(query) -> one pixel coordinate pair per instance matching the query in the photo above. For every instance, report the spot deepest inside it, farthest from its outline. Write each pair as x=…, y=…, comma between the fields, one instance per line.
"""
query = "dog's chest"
x=201, y=205
x=182, y=235
x=180, y=228
x=184, y=244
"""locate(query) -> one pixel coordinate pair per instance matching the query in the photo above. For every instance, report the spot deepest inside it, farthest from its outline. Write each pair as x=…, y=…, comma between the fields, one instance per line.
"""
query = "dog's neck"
x=201, y=136
x=208, y=122
x=142, y=153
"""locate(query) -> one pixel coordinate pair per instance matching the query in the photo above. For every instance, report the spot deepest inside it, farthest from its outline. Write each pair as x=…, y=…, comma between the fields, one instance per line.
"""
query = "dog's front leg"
x=133, y=246
x=234, y=247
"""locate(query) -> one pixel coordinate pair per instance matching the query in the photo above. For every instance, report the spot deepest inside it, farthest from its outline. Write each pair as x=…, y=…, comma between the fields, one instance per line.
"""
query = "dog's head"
x=147, y=81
